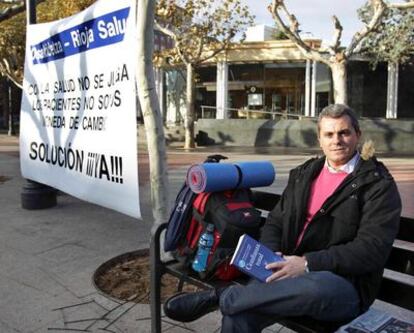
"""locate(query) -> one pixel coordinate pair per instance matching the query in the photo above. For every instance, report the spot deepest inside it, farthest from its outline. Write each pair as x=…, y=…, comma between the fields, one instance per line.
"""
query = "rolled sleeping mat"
x=212, y=177
x=215, y=177
x=256, y=174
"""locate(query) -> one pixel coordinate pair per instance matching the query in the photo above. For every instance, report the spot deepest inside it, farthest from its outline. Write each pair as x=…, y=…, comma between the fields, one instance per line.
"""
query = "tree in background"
x=12, y=41
x=200, y=29
x=393, y=39
x=13, y=30
x=334, y=55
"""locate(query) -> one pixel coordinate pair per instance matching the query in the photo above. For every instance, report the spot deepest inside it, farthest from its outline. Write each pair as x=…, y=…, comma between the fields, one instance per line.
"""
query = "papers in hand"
x=251, y=257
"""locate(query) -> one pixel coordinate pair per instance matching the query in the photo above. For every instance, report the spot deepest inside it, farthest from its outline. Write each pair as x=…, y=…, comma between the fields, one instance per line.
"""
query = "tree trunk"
x=339, y=78
x=151, y=112
x=189, y=118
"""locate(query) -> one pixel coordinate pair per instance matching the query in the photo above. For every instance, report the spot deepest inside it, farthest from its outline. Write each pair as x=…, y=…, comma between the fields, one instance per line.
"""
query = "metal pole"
x=11, y=126
x=307, y=88
x=35, y=195
x=392, y=91
x=313, y=90
x=31, y=11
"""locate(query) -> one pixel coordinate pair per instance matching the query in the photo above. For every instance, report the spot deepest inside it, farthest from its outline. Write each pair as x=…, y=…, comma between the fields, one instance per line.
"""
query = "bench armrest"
x=156, y=269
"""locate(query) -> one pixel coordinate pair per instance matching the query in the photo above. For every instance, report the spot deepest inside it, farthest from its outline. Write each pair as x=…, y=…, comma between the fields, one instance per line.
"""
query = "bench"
x=397, y=285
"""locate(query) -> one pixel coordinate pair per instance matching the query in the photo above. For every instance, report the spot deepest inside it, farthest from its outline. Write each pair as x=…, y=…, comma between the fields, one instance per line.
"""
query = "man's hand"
x=293, y=266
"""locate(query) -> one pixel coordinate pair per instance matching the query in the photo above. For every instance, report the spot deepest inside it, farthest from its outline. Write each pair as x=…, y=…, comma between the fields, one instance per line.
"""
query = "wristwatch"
x=306, y=266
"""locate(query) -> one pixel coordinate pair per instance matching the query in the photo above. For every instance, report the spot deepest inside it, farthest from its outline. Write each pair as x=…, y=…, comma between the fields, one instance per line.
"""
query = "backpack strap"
x=179, y=218
x=199, y=205
x=197, y=220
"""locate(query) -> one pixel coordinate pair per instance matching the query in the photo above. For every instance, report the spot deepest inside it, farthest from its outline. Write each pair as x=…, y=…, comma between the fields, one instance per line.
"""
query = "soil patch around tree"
x=127, y=278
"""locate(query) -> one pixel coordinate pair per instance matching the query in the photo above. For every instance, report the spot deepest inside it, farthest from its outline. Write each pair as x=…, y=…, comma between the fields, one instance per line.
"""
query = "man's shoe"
x=187, y=307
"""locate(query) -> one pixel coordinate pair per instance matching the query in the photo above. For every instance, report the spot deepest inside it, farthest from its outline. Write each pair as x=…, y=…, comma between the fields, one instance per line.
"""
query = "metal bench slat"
x=399, y=277
x=404, y=245
x=398, y=289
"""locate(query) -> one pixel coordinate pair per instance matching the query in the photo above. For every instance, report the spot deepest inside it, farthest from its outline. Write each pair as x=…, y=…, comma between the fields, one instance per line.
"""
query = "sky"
x=315, y=16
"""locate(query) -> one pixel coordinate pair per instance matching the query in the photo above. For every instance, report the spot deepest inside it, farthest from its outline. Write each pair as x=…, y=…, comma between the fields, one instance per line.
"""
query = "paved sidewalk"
x=47, y=257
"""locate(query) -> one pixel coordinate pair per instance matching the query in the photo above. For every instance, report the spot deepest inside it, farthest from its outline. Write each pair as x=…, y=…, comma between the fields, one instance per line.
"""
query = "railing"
x=210, y=112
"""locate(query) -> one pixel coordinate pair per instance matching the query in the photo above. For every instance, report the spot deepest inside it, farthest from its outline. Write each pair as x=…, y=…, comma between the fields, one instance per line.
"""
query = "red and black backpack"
x=232, y=214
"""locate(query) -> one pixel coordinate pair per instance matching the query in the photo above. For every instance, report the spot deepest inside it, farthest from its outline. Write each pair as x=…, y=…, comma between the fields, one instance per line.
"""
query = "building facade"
x=267, y=79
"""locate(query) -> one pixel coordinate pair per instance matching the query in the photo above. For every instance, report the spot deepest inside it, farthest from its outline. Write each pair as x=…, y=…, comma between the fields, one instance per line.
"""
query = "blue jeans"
x=320, y=295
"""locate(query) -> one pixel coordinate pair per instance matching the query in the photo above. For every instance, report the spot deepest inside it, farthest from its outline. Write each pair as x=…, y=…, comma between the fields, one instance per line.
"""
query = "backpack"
x=181, y=213
x=232, y=214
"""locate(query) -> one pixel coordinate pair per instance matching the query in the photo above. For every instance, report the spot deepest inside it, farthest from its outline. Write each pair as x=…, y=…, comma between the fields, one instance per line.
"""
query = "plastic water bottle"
x=205, y=244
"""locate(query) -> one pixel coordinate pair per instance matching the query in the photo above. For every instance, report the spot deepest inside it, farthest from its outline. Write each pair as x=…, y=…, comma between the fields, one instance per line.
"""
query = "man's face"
x=338, y=140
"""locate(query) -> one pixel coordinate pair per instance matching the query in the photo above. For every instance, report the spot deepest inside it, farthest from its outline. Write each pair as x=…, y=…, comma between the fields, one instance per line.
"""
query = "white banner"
x=78, y=117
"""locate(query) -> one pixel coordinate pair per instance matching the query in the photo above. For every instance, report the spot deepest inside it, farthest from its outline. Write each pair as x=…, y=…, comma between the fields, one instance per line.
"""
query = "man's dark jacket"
x=352, y=233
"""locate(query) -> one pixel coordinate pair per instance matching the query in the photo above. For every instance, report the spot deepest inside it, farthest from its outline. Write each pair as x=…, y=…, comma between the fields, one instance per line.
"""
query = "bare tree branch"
x=379, y=8
x=11, y=11
x=184, y=56
x=14, y=80
x=407, y=5
x=294, y=24
x=334, y=47
x=173, y=35
x=292, y=32
x=5, y=70
x=164, y=30
x=216, y=51
x=200, y=48
x=11, y=1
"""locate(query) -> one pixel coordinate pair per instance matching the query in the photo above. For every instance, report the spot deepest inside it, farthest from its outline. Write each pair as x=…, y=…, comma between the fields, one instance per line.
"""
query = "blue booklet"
x=251, y=257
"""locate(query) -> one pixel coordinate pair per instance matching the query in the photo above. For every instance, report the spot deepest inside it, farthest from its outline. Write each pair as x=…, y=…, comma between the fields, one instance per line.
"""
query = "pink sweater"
x=322, y=188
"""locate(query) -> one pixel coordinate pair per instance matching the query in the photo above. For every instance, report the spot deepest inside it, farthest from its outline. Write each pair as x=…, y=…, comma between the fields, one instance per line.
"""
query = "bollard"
x=37, y=196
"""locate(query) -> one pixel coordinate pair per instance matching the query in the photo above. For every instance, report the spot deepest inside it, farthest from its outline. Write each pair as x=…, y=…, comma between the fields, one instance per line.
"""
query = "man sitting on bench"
x=335, y=225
